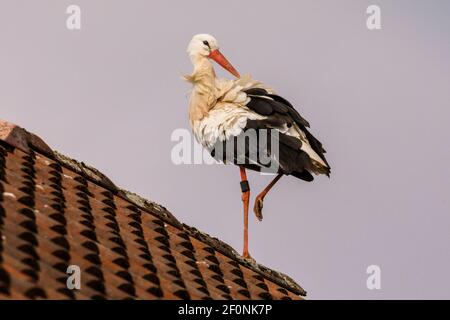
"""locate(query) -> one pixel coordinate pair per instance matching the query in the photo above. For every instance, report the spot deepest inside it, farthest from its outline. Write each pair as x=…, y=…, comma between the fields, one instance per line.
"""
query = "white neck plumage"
x=203, y=79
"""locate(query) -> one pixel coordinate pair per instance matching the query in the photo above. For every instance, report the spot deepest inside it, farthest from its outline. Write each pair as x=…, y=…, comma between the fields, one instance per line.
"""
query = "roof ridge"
x=22, y=139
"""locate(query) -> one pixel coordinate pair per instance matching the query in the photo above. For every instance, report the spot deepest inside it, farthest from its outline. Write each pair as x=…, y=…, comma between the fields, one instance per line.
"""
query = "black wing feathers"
x=275, y=104
x=279, y=112
x=260, y=105
x=292, y=112
x=257, y=93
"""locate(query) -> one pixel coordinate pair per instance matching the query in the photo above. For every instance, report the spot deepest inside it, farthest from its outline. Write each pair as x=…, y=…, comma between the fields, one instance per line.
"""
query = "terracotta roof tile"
x=56, y=212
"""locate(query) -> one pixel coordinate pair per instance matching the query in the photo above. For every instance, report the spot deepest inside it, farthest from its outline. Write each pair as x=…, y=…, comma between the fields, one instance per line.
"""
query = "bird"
x=223, y=110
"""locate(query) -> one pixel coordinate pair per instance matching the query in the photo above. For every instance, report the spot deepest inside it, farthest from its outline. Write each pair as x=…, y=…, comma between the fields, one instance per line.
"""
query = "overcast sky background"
x=111, y=95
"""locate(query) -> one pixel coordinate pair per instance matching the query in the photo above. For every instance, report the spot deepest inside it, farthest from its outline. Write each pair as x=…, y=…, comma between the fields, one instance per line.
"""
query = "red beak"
x=218, y=57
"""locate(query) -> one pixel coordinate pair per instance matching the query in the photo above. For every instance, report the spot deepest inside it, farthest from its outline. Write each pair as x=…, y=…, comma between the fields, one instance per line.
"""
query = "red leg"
x=245, y=199
x=260, y=198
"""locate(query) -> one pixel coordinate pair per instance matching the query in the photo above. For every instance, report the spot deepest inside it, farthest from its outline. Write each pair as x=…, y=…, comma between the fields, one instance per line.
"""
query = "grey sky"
x=111, y=95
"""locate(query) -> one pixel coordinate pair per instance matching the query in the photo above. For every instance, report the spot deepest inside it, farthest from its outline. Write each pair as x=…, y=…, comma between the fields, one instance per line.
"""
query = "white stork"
x=220, y=110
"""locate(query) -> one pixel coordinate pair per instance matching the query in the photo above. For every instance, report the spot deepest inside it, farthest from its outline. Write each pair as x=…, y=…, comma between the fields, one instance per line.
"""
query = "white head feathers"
x=202, y=44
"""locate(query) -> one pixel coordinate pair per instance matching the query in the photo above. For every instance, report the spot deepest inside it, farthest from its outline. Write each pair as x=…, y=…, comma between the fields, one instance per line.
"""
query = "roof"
x=56, y=212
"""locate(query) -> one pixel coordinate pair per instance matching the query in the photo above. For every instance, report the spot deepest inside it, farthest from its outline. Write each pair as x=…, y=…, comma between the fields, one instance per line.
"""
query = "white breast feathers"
x=222, y=122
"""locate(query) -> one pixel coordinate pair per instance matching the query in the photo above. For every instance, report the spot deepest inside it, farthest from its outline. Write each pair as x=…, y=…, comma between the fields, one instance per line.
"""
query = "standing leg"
x=260, y=198
x=245, y=199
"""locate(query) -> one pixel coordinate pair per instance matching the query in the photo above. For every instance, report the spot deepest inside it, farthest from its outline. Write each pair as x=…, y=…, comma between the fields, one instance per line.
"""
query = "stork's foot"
x=247, y=256
x=257, y=208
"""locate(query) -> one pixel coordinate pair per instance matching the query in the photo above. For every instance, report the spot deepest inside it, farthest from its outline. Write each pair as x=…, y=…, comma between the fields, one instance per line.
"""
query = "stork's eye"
x=206, y=43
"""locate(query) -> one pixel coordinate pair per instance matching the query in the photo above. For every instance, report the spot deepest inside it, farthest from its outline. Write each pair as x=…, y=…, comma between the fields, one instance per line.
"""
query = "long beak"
x=218, y=57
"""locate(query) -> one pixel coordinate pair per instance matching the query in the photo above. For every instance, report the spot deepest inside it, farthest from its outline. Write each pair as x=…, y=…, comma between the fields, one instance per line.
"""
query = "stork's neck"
x=203, y=71
x=203, y=96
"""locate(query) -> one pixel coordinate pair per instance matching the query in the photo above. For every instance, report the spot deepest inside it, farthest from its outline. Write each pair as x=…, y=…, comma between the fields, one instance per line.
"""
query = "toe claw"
x=258, y=209
x=249, y=258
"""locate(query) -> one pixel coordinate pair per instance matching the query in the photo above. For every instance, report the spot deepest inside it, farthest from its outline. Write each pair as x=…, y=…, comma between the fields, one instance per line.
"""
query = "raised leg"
x=245, y=199
x=260, y=198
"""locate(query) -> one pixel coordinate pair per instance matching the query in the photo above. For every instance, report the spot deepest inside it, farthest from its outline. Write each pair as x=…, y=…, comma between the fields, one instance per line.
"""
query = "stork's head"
x=205, y=45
